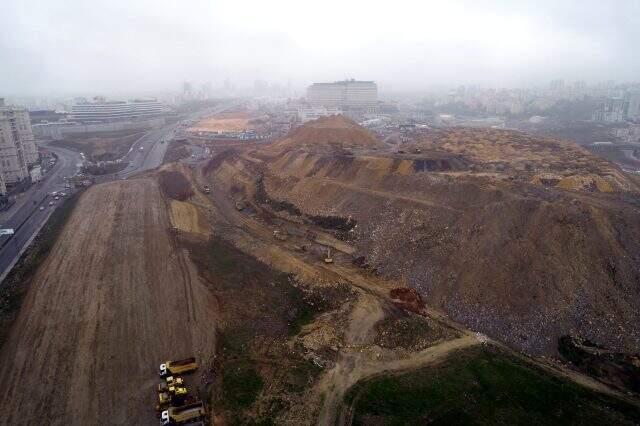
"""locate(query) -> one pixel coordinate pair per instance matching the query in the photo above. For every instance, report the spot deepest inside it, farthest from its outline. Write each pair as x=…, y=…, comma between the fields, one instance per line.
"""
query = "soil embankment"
x=520, y=237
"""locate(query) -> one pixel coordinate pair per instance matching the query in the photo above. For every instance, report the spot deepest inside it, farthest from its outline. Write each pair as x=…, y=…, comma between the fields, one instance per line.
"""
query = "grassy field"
x=484, y=387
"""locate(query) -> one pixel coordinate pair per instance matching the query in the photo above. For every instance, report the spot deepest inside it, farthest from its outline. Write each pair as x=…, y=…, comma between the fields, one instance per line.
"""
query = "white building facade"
x=104, y=111
x=347, y=95
x=17, y=145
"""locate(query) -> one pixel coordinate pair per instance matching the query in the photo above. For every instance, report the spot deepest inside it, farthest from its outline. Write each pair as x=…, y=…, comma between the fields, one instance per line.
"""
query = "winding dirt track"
x=113, y=299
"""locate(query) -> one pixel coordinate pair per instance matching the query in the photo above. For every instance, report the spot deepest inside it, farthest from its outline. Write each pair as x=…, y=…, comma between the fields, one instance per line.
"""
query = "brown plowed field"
x=113, y=299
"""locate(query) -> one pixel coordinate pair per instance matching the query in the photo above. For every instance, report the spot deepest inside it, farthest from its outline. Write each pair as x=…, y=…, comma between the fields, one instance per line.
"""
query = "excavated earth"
x=523, y=238
x=114, y=299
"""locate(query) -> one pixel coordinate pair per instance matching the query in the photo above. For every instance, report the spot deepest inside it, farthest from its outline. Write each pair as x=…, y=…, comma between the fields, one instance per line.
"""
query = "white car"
x=56, y=198
x=41, y=208
x=51, y=203
x=62, y=194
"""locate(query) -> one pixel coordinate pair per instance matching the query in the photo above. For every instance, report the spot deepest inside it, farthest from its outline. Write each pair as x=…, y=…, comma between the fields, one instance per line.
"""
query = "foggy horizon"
x=119, y=47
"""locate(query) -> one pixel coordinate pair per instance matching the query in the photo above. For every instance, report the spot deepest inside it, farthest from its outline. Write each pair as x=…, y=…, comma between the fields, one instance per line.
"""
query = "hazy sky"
x=90, y=46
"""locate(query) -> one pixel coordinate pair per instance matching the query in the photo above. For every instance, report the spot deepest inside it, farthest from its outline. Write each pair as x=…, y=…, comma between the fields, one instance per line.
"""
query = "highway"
x=28, y=219
x=155, y=143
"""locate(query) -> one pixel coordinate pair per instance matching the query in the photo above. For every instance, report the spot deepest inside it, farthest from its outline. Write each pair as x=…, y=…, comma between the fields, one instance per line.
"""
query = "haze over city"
x=328, y=213
x=75, y=47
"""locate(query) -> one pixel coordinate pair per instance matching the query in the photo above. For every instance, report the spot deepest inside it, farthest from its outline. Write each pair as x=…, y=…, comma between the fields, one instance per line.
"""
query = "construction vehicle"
x=182, y=366
x=182, y=415
x=170, y=381
x=166, y=401
x=328, y=259
x=279, y=235
x=206, y=189
x=174, y=397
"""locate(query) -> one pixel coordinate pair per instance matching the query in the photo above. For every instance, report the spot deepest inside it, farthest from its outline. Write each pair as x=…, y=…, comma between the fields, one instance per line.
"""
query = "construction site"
x=329, y=278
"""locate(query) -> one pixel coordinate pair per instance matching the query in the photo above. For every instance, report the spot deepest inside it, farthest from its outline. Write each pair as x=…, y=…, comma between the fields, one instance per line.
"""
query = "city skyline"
x=413, y=45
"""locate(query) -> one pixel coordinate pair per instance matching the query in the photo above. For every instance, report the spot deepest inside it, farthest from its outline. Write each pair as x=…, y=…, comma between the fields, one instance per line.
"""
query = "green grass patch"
x=482, y=386
x=261, y=309
x=241, y=385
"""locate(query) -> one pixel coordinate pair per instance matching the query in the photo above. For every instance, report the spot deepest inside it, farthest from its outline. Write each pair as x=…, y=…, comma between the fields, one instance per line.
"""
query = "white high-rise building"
x=17, y=145
x=347, y=95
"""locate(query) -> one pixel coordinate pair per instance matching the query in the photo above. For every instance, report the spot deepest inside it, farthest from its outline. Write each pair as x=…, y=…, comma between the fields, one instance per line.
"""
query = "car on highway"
x=141, y=148
x=41, y=208
x=62, y=194
x=56, y=198
x=51, y=203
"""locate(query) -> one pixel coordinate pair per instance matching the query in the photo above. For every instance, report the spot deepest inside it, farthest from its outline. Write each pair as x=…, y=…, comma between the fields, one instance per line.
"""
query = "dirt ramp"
x=113, y=299
x=175, y=185
x=334, y=132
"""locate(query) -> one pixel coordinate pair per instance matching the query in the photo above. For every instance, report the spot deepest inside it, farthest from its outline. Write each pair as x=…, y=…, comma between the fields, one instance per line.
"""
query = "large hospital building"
x=348, y=95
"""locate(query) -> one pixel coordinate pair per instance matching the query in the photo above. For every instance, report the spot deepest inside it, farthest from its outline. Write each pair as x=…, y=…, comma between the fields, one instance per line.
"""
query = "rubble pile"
x=514, y=241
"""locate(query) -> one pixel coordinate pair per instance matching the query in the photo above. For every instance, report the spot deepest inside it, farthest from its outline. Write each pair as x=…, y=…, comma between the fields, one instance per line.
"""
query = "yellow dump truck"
x=181, y=415
x=182, y=366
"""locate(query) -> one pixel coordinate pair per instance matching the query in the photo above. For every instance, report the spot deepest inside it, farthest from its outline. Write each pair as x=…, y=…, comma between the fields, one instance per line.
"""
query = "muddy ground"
x=113, y=300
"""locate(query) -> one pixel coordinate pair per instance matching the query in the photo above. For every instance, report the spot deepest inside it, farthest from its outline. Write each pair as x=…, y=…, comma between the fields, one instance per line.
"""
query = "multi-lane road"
x=28, y=219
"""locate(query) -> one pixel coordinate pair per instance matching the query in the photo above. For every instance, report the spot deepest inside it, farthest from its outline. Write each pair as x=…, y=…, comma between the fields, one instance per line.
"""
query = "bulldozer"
x=174, y=396
x=171, y=395
x=169, y=382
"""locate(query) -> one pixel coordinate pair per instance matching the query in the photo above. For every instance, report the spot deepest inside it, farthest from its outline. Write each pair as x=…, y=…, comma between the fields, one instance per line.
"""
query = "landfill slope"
x=521, y=237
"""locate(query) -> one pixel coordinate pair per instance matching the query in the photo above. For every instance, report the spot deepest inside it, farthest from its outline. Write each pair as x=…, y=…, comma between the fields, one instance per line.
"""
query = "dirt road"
x=112, y=301
x=355, y=363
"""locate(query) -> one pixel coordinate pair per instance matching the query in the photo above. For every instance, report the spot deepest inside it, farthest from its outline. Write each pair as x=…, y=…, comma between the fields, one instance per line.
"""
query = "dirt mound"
x=511, y=242
x=335, y=131
x=513, y=155
x=175, y=185
x=407, y=298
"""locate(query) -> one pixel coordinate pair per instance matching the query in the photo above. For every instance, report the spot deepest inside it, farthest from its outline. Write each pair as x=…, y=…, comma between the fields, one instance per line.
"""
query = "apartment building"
x=614, y=110
x=17, y=145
